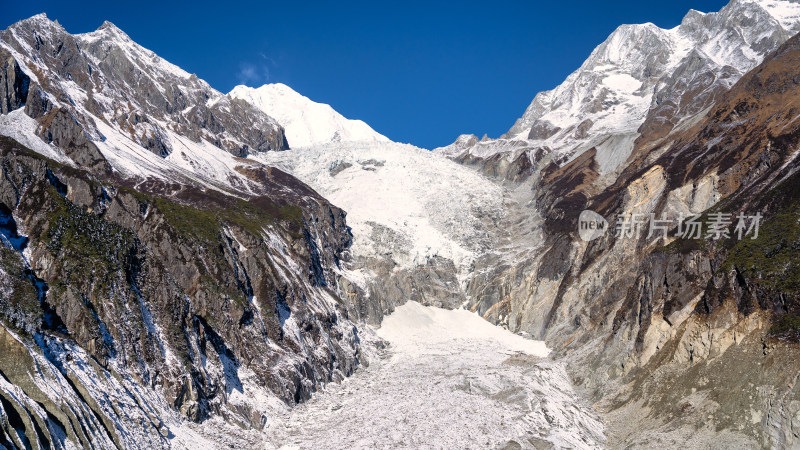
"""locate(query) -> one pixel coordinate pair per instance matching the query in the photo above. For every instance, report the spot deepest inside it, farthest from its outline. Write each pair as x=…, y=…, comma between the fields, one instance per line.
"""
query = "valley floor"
x=447, y=379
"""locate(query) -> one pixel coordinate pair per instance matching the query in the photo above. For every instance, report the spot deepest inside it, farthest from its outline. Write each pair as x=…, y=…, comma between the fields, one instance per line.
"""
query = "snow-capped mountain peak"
x=306, y=122
x=643, y=71
x=109, y=36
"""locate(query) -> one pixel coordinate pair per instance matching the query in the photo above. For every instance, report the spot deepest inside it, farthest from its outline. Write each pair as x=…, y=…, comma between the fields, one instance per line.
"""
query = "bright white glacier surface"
x=448, y=379
x=305, y=121
x=433, y=206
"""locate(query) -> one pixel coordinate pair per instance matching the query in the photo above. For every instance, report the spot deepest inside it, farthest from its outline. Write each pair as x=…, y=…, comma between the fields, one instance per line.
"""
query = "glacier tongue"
x=449, y=379
x=306, y=122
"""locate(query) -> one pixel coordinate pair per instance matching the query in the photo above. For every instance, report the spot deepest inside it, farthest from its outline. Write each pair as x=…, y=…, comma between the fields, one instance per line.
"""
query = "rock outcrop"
x=14, y=90
x=151, y=274
x=669, y=332
x=186, y=295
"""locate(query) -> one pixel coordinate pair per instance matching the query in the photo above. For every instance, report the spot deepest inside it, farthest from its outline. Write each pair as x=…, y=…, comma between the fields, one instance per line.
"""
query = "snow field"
x=448, y=380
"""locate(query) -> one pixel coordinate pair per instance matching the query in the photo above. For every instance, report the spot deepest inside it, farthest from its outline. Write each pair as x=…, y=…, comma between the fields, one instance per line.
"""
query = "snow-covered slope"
x=306, y=122
x=148, y=118
x=448, y=380
x=644, y=71
x=432, y=205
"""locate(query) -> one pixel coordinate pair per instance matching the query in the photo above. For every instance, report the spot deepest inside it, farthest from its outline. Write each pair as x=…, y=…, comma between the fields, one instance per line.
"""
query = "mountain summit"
x=174, y=275
x=645, y=72
x=306, y=122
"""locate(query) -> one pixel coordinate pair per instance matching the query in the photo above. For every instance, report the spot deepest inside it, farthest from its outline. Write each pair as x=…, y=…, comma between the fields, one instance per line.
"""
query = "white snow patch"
x=622, y=82
x=416, y=330
x=787, y=13
x=18, y=126
x=306, y=122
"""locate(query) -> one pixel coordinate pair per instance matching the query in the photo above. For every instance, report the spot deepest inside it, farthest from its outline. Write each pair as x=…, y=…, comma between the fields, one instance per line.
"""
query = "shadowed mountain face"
x=164, y=284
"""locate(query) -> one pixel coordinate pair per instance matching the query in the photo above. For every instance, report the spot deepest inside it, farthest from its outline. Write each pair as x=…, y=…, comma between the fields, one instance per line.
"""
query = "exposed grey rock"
x=132, y=278
x=339, y=167
x=37, y=103
x=14, y=84
x=132, y=87
x=60, y=128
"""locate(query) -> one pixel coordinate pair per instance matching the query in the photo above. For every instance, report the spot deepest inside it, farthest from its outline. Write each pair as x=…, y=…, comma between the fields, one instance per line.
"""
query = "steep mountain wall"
x=639, y=84
x=670, y=333
x=199, y=297
x=150, y=273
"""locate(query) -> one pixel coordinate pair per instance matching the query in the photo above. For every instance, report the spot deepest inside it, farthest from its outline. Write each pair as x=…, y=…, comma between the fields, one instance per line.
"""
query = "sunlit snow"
x=306, y=122
x=449, y=379
x=434, y=205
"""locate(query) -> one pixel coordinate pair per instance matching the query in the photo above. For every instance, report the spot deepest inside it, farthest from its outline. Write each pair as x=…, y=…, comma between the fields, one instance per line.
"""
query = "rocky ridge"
x=681, y=342
x=639, y=84
x=155, y=276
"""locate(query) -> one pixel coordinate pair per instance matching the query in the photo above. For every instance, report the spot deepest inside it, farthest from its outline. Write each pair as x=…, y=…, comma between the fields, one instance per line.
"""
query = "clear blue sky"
x=418, y=72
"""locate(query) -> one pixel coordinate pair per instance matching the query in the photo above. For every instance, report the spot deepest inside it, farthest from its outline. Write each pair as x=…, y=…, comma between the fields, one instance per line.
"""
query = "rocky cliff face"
x=150, y=274
x=681, y=341
x=103, y=78
x=203, y=298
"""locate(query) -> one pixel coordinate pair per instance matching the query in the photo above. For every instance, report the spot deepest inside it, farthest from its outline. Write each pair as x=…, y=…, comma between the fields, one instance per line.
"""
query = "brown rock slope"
x=681, y=341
